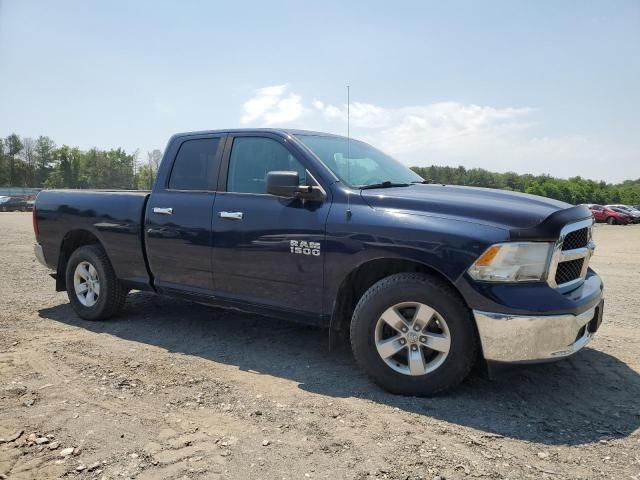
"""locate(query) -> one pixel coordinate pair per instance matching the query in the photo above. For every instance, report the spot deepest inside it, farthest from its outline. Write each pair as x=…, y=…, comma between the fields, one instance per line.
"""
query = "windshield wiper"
x=386, y=184
x=425, y=182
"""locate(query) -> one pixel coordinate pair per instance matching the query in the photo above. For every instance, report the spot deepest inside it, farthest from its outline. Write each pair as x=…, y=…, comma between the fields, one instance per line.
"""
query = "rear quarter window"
x=195, y=165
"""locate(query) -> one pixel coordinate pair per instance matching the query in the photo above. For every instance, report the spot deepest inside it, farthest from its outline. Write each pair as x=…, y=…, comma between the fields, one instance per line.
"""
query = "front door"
x=268, y=250
x=178, y=223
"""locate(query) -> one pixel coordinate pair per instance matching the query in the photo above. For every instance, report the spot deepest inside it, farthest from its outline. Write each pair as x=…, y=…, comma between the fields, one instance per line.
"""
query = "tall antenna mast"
x=348, y=212
x=348, y=128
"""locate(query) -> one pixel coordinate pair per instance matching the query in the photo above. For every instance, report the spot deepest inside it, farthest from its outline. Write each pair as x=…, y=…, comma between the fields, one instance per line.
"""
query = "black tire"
x=611, y=221
x=431, y=291
x=112, y=293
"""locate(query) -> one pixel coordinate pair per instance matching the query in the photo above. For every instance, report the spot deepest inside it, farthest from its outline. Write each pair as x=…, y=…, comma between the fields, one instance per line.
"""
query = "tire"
x=392, y=294
x=111, y=294
x=611, y=221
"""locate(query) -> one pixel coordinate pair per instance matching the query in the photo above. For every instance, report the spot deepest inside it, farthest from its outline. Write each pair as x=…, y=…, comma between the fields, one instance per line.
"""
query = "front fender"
x=445, y=245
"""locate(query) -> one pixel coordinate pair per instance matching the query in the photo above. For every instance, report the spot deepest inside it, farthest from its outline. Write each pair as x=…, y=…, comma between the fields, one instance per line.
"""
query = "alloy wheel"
x=86, y=284
x=412, y=338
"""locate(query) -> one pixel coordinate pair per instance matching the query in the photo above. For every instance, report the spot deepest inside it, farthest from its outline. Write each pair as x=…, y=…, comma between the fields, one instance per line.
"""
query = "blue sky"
x=539, y=86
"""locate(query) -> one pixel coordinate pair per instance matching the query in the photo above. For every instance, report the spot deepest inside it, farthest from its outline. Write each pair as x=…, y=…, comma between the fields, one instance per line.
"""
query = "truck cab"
x=212, y=226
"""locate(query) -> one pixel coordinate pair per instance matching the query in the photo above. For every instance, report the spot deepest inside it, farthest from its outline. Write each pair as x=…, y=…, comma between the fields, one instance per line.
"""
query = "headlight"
x=512, y=262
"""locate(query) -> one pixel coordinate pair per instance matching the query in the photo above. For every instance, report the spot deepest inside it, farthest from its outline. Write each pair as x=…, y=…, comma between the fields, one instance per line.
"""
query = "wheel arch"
x=361, y=278
x=71, y=241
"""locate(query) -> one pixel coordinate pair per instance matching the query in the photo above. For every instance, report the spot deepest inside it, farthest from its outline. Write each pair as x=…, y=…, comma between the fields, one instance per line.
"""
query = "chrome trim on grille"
x=560, y=256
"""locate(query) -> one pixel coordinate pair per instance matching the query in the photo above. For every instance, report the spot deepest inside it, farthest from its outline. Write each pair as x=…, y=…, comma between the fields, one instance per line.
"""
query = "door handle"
x=163, y=211
x=231, y=215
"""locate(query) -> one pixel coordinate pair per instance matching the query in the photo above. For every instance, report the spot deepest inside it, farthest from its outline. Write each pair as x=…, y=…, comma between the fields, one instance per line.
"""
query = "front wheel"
x=413, y=335
x=611, y=220
x=92, y=287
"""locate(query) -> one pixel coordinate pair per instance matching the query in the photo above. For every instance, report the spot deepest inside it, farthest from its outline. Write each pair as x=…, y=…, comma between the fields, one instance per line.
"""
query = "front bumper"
x=528, y=339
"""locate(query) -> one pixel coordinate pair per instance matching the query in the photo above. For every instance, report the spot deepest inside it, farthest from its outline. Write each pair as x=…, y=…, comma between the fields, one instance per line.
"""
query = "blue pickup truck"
x=425, y=280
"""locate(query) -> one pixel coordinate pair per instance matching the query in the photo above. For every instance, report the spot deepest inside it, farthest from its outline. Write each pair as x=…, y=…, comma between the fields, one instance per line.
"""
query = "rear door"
x=178, y=223
x=267, y=249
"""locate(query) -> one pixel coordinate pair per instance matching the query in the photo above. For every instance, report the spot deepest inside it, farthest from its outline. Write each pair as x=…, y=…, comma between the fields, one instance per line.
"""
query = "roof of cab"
x=280, y=131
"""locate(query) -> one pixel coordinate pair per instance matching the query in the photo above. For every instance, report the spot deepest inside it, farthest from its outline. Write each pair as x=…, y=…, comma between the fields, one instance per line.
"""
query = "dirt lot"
x=175, y=390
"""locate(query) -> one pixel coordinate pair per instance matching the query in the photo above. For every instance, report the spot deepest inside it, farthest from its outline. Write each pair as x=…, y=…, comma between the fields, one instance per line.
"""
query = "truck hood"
x=500, y=208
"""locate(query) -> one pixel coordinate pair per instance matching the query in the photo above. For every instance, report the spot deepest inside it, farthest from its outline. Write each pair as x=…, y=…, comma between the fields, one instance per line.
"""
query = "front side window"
x=194, y=165
x=356, y=163
x=252, y=158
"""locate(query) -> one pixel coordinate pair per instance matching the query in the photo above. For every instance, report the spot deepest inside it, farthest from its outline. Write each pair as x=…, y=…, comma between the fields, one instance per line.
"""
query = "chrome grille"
x=576, y=239
x=571, y=254
x=568, y=271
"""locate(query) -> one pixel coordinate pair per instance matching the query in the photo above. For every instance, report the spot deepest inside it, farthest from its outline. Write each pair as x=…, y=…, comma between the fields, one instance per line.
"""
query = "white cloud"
x=438, y=125
x=364, y=115
x=271, y=105
x=452, y=133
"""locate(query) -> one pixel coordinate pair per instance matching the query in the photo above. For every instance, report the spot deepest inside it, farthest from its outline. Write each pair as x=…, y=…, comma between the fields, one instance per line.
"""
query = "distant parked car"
x=620, y=205
x=12, y=204
x=631, y=212
x=30, y=204
x=628, y=208
x=605, y=214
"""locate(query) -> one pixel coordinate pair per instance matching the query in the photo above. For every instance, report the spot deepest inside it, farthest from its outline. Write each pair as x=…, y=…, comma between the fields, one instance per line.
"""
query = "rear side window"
x=195, y=165
x=252, y=158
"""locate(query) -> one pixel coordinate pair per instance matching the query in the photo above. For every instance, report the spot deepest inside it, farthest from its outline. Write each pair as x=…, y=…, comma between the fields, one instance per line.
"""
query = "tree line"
x=40, y=163
x=573, y=190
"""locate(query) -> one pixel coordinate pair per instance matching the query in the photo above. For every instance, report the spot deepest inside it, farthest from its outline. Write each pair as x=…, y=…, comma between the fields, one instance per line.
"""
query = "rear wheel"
x=413, y=335
x=611, y=220
x=92, y=287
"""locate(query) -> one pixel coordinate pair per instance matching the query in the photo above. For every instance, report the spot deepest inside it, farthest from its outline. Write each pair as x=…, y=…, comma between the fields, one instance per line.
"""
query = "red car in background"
x=604, y=214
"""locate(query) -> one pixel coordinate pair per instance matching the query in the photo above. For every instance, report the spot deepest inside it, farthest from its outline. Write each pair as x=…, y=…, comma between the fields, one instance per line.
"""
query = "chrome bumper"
x=519, y=338
x=37, y=250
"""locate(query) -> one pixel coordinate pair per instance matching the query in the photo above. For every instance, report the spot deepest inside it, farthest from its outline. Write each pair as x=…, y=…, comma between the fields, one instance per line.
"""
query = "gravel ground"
x=170, y=389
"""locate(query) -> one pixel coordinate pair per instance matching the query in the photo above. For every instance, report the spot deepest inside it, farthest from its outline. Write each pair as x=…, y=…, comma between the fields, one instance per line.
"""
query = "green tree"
x=44, y=151
x=145, y=178
x=13, y=148
x=66, y=171
x=29, y=157
x=4, y=165
x=573, y=190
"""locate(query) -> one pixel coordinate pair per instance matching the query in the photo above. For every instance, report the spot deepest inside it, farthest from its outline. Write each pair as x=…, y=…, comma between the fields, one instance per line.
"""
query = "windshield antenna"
x=348, y=212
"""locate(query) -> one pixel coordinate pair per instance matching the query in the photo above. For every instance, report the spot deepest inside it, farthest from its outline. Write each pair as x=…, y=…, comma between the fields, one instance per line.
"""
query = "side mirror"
x=287, y=184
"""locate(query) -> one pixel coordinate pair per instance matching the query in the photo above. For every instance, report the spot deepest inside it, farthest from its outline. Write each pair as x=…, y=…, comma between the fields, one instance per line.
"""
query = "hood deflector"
x=549, y=228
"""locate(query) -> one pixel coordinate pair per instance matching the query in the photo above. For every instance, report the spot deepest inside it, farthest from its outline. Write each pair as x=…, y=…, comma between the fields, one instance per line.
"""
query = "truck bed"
x=114, y=217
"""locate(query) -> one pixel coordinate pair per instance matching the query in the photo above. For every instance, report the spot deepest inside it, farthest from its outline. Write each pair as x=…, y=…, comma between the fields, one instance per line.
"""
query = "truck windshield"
x=358, y=164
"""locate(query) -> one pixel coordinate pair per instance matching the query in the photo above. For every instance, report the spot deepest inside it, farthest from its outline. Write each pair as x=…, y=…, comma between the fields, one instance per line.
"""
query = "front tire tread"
x=403, y=385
